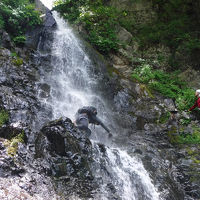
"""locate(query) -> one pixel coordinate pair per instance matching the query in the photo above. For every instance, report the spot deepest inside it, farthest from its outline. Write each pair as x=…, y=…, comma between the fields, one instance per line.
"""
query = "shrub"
x=168, y=84
x=99, y=21
x=20, y=40
x=185, y=99
x=193, y=138
x=18, y=16
x=176, y=25
x=101, y=28
x=3, y=117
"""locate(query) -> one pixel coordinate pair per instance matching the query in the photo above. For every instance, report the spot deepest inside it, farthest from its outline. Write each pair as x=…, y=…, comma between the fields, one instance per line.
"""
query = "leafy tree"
x=99, y=21
x=16, y=16
x=176, y=26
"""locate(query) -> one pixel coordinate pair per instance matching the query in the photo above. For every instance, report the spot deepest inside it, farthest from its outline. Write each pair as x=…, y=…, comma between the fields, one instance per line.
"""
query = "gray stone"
x=4, y=52
x=49, y=20
x=40, y=6
x=169, y=104
x=41, y=37
x=116, y=60
x=5, y=40
x=124, y=36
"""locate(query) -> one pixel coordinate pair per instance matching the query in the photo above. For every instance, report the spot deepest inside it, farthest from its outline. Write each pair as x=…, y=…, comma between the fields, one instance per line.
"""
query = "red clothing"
x=197, y=104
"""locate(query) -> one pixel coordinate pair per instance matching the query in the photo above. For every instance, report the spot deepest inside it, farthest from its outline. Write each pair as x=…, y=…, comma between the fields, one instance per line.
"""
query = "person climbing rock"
x=87, y=115
x=197, y=103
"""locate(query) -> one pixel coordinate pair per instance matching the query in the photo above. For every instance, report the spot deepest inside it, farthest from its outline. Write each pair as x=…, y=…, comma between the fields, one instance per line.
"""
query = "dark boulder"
x=18, y=88
x=69, y=156
x=5, y=40
x=41, y=37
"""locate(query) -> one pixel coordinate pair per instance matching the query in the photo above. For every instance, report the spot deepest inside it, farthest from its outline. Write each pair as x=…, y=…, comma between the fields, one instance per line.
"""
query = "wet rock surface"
x=174, y=168
x=17, y=90
x=20, y=176
x=42, y=36
x=56, y=167
x=68, y=153
x=55, y=161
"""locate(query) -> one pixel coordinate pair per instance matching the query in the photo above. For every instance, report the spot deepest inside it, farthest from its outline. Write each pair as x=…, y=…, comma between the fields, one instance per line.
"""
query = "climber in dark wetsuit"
x=87, y=115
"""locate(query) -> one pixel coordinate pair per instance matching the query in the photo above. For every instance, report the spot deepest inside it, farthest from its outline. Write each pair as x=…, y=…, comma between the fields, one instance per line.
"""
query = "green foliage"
x=189, y=138
x=101, y=28
x=13, y=54
x=1, y=22
x=18, y=61
x=164, y=117
x=185, y=99
x=168, y=84
x=177, y=25
x=3, y=117
x=99, y=21
x=124, y=20
x=185, y=121
x=185, y=138
x=20, y=40
x=70, y=9
x=18, y=16
x=12, y=145
x=143, y=73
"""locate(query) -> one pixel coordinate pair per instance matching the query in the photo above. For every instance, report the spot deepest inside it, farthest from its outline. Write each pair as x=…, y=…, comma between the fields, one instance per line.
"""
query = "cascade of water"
x=72, y=86
x=124, y=173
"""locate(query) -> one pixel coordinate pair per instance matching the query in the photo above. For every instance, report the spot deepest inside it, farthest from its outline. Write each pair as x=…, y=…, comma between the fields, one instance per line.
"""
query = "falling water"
x=122, y=176
x=71, y=82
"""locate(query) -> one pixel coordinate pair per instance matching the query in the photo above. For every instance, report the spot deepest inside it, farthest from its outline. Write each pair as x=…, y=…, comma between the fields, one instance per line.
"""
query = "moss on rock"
x=18, y=62
x=173, y=135
x=4, y=116
x=12, y=145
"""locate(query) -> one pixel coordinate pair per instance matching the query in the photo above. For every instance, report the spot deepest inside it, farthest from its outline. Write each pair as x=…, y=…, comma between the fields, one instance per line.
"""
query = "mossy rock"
x=12, y=145
x=18, y=62
x=173, y=135
x=145, y=91
x=164, y=118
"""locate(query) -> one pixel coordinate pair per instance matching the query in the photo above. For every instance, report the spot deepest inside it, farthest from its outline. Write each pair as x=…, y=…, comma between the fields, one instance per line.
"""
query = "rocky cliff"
x=54, y=161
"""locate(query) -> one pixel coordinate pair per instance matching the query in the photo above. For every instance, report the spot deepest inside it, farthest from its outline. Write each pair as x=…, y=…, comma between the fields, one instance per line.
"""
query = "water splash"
x=69, y=80
x=72, y=86
x=116, y=169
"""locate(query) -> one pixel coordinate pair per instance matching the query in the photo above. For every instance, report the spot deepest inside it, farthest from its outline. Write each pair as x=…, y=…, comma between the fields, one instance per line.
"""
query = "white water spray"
x=69, y=80
x=130, y=172
x=124, y=173
x=72, y=86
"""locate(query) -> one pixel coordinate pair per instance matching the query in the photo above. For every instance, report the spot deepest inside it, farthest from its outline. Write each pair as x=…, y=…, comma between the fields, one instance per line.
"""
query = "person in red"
x=197, y=103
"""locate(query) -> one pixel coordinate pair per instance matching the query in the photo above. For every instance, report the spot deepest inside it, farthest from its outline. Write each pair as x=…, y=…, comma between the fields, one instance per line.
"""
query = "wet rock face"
x=173, y=167
x=17, y=87
x=21, y=176
x=55, y=161
x=5, y=40
x=41, y=37
x=57, y=166
x=188, y=169
x=68, y=154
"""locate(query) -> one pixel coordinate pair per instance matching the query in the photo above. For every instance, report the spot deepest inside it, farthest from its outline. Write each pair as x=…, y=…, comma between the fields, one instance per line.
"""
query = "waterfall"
x=125, y=174
x=71, y=87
